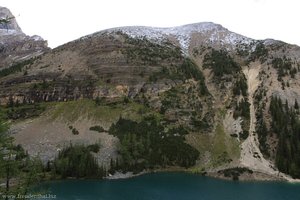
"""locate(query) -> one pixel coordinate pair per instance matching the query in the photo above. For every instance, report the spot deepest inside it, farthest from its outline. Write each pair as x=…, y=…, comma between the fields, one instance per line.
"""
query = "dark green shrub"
x=97, y=128
x=75, y=131
x=94, y=148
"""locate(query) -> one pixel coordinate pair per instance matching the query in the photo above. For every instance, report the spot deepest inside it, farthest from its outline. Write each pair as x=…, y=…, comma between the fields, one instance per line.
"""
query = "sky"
x=61, y=21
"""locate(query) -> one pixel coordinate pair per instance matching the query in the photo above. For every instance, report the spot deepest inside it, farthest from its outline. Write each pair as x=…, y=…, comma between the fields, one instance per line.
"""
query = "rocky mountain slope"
x=16, y=46
x=200, y=86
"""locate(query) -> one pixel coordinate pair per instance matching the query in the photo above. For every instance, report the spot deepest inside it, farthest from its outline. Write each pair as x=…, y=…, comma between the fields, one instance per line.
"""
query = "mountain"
x=197, y=96
x=15, y=46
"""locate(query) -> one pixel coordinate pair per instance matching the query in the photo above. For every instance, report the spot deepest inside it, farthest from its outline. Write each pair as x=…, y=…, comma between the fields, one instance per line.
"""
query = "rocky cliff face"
x=15, y=46
x=13, y=25
x=215, y=83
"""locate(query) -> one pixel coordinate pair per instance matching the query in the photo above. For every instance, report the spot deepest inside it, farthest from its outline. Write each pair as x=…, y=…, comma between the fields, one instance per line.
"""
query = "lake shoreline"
x=244, y=177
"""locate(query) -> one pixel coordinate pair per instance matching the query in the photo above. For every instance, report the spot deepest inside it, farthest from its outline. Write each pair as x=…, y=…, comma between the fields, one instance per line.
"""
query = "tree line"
x=286, y=124
x=147, y=145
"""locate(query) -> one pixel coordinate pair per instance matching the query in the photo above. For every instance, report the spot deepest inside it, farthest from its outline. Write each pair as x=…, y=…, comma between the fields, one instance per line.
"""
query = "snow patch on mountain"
x=37, y=38
x=9, y=32
x=210, y=32
x=183, y=34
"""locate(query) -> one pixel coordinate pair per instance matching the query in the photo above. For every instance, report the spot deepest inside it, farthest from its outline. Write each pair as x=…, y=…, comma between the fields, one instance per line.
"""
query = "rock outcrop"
x=16, y=46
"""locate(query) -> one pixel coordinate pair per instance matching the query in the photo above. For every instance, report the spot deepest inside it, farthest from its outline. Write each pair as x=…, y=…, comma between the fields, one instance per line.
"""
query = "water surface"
x=171, y=186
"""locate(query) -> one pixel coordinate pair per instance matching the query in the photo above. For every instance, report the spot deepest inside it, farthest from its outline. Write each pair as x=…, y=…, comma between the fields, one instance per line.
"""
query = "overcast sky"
x=60, y=21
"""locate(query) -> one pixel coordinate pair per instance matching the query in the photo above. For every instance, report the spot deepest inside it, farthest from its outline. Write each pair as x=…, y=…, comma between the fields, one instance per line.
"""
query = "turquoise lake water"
x=173, y=186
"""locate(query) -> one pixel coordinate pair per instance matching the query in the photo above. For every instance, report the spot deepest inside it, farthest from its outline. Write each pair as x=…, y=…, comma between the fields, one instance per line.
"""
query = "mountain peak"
x=206, y=33
x=15, y=45
x=12, y=26
x=200, y=27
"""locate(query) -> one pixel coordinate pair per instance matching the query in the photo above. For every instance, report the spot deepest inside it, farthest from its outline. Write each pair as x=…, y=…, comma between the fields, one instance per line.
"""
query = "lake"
x=172, y=186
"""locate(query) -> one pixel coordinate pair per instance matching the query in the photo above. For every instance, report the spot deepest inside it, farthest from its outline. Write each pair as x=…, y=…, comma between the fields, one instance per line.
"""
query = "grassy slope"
x=222, y=148
x=86, y=108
